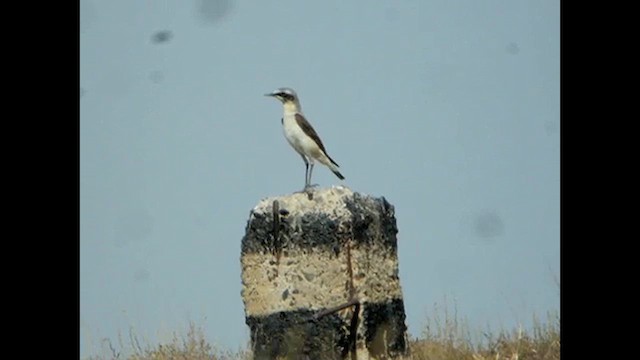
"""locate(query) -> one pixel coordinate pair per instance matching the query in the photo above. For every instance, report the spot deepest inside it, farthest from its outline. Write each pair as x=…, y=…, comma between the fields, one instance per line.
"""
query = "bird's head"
x=285, y=95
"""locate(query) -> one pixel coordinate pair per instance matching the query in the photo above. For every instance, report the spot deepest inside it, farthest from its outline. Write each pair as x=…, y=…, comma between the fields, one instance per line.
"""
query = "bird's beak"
x=270, y=94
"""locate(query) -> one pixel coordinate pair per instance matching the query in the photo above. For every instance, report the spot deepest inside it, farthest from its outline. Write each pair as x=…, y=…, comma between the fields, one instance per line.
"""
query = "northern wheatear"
x=301, y=135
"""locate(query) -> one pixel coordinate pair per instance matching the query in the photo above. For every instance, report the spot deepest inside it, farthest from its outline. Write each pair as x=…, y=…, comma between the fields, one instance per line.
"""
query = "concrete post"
x=320, y=278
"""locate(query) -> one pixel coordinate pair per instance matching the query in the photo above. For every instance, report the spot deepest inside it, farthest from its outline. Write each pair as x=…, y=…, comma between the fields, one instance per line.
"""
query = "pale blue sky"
x=449, y=109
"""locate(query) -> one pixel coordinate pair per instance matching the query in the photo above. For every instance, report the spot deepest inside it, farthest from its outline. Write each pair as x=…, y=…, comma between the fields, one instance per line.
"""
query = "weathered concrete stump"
x=320, y=278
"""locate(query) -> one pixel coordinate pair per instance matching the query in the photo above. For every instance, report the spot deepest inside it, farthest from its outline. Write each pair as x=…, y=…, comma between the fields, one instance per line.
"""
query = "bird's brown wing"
x=308, y=129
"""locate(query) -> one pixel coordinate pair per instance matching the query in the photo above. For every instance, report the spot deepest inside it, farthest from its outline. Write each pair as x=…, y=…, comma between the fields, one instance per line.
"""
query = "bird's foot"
x=310, y=187
x=307, y=188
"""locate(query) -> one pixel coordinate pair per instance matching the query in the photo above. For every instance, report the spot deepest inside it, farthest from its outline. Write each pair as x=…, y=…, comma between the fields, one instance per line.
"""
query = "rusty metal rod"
x=335, y=309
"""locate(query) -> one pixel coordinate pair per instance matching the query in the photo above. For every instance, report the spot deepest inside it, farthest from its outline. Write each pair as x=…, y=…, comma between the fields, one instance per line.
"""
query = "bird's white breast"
x=302, y=143
x=292, y=132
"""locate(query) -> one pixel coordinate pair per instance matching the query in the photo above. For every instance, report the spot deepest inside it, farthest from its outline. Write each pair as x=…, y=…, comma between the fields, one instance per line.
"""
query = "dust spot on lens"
x=212, y=11
x=488, y=224
x=156, y=76
x=513, y=48
x=161, y=37
x=141, y=275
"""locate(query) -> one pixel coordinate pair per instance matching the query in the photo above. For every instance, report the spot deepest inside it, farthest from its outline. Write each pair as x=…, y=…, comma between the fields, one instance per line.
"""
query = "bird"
x=301, y=135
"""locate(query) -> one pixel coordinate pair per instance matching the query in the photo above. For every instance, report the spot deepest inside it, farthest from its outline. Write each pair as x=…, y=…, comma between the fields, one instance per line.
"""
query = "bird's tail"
x=333, y=166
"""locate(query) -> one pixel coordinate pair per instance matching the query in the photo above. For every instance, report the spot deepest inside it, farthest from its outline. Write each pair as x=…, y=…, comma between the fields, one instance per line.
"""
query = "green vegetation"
x=445, y=337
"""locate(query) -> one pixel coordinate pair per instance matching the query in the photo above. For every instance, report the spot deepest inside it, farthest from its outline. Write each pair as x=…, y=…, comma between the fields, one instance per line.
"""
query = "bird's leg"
x=306, y=172
x=310, y=172
x=308, y=188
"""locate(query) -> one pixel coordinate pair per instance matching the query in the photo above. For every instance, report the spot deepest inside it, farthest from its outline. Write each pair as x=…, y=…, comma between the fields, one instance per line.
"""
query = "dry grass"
x=445, y=337
x=449, y=338
x=192, y=346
